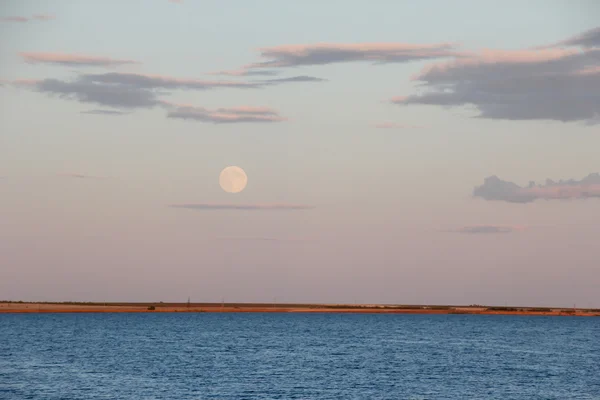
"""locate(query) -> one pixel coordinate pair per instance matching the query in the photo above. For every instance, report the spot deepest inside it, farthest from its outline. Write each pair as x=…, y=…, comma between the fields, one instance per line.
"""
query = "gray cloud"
x=132, y=91
x=129, y=90
x=494, y=188
x=73, y=60
x=85, y=91
x=225, y=115
x=488, y=229
x=105, y=112
x=166, y=82
x=320, y=54
x=589, y=38
x=249, y=207
x=141, y=81
x=535, y=84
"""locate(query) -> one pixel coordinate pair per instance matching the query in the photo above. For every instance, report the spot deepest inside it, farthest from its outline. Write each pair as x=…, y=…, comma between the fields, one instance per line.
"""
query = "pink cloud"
x=329, y=53
x=72, y=59
x=398, y=99
x=495, y=57
x=25, y=82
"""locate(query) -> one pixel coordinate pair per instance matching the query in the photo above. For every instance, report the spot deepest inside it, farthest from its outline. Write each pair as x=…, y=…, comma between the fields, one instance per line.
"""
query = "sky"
x=396, y=152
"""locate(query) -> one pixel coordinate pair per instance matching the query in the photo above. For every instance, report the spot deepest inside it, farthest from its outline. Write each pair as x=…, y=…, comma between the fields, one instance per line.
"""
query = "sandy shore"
x=281, y=308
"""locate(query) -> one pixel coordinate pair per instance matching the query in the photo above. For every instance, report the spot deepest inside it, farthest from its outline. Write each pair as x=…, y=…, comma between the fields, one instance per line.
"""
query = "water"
x=297, y=356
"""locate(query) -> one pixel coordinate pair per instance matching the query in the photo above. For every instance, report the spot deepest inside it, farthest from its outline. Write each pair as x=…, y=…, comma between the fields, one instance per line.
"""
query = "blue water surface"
x=297, y=356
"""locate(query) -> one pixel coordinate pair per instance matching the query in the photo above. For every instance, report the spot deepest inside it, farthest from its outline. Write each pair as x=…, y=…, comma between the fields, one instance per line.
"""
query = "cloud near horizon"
x=248, y=207
x=331, y=53
x=35, y=17
x=495, y=189
x=73, y=60
x=526, y=84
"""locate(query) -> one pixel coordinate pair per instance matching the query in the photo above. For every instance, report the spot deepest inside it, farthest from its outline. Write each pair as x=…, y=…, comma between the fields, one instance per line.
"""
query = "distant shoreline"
x=76, y=307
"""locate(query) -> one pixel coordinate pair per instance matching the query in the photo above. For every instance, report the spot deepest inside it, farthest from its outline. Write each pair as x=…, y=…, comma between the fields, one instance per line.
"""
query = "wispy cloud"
x=148, y=81
x=519, y=85
x=105, y=112
x=245, y=72
x=81, y=176
x=125, y=92
x=488, y=229
x=330, y=53
x=36, y=17
x=226, y=115
x=494, y=188
x=73, y=60
x=292, y=79
x=393, y=125
x=130, y=90
x=249, y=207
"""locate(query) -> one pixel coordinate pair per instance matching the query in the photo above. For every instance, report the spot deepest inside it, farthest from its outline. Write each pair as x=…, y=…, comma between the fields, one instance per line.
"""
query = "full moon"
x=233, y=179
